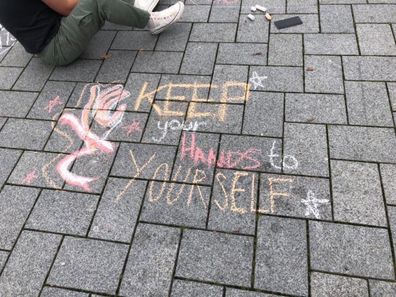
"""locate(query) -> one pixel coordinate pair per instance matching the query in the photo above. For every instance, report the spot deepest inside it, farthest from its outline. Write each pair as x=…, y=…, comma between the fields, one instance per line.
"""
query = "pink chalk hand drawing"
x=104, y=109
x=53, y=103
x=30, y=177
x=132, y=128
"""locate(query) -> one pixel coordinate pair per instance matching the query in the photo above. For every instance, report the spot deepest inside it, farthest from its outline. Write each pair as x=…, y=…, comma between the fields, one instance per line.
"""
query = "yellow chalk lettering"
x=234, y=190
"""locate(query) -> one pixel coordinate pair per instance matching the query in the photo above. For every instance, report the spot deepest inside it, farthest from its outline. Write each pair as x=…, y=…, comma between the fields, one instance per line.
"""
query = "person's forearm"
x=63, y=7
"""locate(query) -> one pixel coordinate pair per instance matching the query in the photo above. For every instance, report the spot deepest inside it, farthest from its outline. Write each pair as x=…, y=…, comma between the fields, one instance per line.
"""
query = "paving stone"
x=330, y=44
x=219, y=118
x=310, y=23
x=229, y=82
x=295, y=196
x=17, y=57
x=191, y=289
x=366, y=68
x=343, y=23
x=376, y=39
x=281, y=243
x=216, y=257
x=323, y=284
x=34, y=76
x=176, y=204
x=282, y=79
x=362, y=143
x=357, y=194
x=198, y=2
x=134, y=40
x=196, y=158
x=157, y=62
x=388, y=172
x=43, y=109
x=222, y=12
x=392, y=223
x=63, y=212
x=184, y=88
x=260, y=153
x=392, y=94
x=8, y=159
x=98, y=45
x=116, y=68
x=151, y=261
x=242, y=53
x=142, y=88
x=326, y=76
x=350, y=250
x=2, y=122
x=26, y=134
x=213, y=32
x=196, y=13
x=316, y=108
x=166, y=129
x=16, y=104
x=274, y=6
x=88, y=264
x=175, y=39
x=233, y=202
x=8, y=76
x=230, y=292
x=16, y=203
x=264, y=114
x=118, y=210
x=308, y=144
x=285, y=49
x=28, y=264
x=368, y=104
x=381, y=288
x=249, y=31
x=56, y=292
x=381, y=13
x=37, y=169
x=95, y=166
x=341, y=1
x=3, y=259
x=81, y=70
x=149, y=158
x=305, y=6
x=199, y=58
x=80, y=95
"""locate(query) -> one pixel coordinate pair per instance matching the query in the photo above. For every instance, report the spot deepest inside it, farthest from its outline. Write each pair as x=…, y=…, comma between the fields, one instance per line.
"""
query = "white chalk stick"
x=251, y=17
x=261, y=8
x=253, y=8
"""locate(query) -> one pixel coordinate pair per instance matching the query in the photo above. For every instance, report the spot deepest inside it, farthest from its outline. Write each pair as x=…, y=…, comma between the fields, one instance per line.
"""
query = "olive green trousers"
x=77, y=29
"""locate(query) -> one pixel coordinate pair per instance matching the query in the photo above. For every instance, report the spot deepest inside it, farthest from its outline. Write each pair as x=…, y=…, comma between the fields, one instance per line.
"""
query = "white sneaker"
x=160, y=20
x=146, y=5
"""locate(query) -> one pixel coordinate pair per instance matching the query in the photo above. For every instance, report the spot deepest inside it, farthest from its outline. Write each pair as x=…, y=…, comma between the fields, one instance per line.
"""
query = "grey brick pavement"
x=222, y=158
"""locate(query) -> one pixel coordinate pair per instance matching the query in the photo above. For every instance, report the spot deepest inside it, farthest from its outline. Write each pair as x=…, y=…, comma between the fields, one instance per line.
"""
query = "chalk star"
x=132, y=127
x=312, y=204
x=30, y=177
x=257, y=80
x=53, y=103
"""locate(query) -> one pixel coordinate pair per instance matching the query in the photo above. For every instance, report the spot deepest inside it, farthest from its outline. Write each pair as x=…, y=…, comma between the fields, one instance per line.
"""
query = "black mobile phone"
x=294, y=21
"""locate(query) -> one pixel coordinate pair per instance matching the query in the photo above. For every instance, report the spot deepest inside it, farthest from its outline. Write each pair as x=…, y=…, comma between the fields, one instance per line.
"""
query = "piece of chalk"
x=251, y=17
x=261, y=8
x=253, y=8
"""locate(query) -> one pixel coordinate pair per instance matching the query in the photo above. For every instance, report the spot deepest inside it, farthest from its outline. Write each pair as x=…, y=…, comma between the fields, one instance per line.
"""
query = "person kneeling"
x=60, y=30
